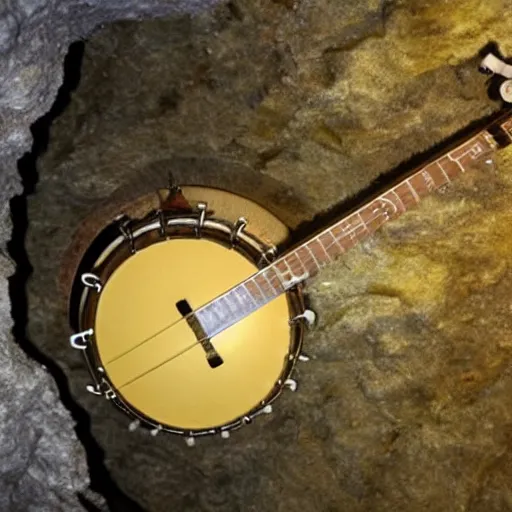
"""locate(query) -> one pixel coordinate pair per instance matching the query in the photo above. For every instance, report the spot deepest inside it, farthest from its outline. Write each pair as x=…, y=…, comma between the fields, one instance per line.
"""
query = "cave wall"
x=406, y=404
x=42, y=464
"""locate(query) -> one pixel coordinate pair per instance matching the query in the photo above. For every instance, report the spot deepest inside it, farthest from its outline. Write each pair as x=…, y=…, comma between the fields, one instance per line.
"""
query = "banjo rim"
x=153, y=228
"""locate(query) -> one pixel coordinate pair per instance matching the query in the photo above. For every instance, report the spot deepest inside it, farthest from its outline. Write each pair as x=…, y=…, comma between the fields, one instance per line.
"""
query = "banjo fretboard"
x=306, y=260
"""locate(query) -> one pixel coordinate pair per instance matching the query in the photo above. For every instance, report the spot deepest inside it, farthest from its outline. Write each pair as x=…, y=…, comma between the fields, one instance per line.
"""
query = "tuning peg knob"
x=506, y=91
x=291, y=384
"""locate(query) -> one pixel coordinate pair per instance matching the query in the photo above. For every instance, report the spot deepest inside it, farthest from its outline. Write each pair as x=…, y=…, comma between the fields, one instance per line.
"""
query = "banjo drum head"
x=148, y=354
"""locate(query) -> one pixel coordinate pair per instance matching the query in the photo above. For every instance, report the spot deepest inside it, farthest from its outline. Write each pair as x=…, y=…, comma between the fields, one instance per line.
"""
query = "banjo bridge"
x=212, y=356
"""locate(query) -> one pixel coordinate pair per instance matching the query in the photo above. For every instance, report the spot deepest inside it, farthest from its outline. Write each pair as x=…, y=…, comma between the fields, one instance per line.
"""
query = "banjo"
x=192, y=324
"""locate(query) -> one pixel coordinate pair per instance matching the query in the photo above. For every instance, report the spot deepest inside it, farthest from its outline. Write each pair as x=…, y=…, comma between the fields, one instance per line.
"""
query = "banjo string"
x=197, y=342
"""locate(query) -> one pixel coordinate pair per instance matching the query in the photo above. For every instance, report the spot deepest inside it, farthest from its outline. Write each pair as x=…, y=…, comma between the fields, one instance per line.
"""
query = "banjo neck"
x=308, y=258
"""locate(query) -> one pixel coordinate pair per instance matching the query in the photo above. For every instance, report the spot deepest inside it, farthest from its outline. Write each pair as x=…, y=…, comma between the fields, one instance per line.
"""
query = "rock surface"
x=42, y=465
x=407, y=403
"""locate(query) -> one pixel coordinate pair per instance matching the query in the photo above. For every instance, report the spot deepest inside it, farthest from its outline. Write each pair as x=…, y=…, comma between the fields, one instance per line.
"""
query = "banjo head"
x=143, y=354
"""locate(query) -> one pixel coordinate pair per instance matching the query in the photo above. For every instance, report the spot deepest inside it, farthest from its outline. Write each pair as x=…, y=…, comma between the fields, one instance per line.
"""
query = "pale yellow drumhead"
x=167, y=377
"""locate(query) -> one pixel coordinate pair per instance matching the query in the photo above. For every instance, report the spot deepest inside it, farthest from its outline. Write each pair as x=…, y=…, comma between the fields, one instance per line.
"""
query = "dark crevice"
x=101, y=481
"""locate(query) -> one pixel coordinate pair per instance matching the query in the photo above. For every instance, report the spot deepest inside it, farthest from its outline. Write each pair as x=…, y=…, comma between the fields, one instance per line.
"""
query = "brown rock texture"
x=407, y=402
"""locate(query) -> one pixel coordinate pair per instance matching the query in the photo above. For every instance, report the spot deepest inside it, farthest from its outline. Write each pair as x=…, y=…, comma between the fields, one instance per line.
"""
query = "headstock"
x=499, y=69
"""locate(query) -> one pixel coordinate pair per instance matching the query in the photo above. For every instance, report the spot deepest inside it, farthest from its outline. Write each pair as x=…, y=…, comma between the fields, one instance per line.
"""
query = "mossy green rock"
x=406, y=404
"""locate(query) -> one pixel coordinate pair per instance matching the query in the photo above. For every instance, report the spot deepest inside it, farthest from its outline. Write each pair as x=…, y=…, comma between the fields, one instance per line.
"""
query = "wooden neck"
x=307, y=259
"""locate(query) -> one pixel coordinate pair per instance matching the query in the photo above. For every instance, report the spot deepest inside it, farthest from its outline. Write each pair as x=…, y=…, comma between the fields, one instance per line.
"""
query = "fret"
x=223, y=312
x=473, y=148
x=457, y=162
x=452, y=168
x=465, y=155
x=407, y=197
x=383, y=210
x=415, y=195
x=367, y=213
x=393, y=203
x=324, y=248
x=209, y=317
x=330, y=244
x=438, y=174
x=319, y=251
x=301, y=269
x=440, y=166
x=432, y=178
x=246, y=293
x=241, y=301
x=307, y=260
x=362, y=222
x=281, y=267
x=312, y=255
x=400, y=205
x=418, y=182
x=215, y=313
x=255, y=291
x=265, y=285
x=225, y=302
x=301, y=261
x=274, y=279
x=287, y=275
x=269, y=277
x=336, y=241
x=354, y=227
